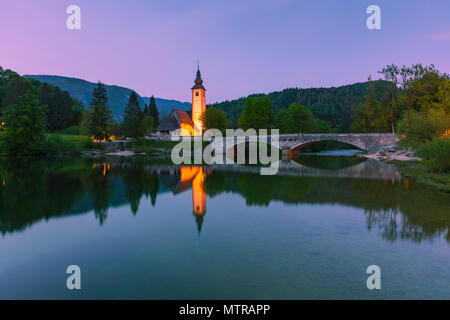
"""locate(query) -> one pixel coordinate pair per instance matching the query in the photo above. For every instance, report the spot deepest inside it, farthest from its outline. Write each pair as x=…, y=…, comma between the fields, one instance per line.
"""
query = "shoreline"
x=392, y=155
x=409, y=166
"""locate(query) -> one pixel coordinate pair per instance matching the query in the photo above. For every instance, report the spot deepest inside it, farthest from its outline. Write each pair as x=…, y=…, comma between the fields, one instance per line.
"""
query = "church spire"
x=199, y=221
x=198, y=80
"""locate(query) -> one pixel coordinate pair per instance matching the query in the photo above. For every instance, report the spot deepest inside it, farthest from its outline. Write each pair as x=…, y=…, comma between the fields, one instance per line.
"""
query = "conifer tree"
x=100, y=116
x=132, y=120
x=146, y=110
x=154, y=112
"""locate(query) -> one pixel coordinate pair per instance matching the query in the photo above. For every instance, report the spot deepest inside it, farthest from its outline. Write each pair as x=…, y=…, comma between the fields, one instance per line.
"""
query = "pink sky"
x=244, y=46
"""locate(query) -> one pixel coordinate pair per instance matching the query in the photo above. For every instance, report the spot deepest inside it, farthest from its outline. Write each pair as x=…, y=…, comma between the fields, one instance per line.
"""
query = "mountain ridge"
x=117, y=95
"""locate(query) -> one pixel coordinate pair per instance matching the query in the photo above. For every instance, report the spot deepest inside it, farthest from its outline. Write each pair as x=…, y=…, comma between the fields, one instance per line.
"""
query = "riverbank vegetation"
x=68, y=186
x=416, y=106
x=414, y=169
x=40, y=119
x=413, y=102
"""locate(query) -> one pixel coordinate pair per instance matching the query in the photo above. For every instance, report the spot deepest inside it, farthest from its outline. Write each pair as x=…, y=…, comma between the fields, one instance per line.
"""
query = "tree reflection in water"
x=32, y=190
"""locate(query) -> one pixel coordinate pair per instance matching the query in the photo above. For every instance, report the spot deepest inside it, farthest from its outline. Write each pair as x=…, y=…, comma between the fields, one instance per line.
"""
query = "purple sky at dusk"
x=244, y=46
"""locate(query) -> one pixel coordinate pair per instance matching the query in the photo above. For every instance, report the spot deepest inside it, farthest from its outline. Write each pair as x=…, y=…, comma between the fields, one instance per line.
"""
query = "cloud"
x=444, y=36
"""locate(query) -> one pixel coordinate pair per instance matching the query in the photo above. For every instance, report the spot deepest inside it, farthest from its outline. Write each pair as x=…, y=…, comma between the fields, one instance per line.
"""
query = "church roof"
x=168, y=124
x=174, y=120
x=182, y=116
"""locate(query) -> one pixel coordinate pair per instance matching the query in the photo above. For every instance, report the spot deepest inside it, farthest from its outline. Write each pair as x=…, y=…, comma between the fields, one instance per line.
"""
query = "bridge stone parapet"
x=290, y=144
x=370, y=142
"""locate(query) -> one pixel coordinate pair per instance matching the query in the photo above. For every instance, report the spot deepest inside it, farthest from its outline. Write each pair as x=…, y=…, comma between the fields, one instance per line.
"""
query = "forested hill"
x=332, y=105
x=117, y=96
x=165, y=106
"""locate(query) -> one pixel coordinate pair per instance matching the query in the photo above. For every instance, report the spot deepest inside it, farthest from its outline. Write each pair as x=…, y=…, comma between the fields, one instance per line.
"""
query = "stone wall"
x=290, y=143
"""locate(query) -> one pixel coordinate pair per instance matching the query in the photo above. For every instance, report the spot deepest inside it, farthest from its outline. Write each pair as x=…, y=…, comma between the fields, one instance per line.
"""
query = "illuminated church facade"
x=179, y=119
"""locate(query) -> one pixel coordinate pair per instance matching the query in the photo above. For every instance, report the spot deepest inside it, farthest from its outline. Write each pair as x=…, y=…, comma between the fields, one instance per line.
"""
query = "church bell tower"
x=198, y=104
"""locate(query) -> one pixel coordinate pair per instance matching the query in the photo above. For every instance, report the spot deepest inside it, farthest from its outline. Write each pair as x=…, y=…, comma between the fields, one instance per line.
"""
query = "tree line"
x=416, y=106
x=333, y=106
x=257, y=112
x=29, y=109
x=410, y=91
x=136, y=123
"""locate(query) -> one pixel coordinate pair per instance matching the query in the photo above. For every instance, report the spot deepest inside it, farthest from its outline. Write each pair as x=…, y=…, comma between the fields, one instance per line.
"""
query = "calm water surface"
x=141, y=229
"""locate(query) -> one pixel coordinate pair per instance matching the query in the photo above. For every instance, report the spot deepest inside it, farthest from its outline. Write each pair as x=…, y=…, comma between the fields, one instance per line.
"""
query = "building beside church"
x=179, y=119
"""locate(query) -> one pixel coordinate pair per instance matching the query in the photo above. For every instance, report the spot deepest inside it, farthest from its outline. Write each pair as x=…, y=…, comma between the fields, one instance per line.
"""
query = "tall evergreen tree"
x=100, y=116
x=132, y=120
x=146, y=110
x=154, y=111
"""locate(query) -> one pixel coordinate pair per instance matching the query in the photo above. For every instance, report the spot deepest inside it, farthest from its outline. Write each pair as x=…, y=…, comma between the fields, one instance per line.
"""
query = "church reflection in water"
x=190, y=178
x=67, y=187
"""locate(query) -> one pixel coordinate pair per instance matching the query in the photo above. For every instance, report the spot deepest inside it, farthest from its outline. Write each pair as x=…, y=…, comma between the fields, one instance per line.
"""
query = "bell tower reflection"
x=196, y=176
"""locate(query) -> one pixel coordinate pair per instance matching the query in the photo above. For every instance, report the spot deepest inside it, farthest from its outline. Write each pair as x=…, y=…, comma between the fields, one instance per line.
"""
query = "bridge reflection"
x=31, y=191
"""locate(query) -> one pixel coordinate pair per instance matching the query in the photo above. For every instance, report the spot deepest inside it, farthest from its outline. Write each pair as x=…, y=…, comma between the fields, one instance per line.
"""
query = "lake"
x=144, y=229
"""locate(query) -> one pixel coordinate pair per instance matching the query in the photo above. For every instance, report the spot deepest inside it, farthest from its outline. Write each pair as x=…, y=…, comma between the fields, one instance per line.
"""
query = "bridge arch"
x=232, y=148
x=297, y=147
x=368, y=142
x=289, y=143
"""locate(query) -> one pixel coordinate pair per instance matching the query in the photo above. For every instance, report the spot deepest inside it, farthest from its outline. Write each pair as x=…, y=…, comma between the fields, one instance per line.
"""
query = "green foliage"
x=282, y=121
x=436, y=155
x=13, y=90
x=256, y=113
x=25, y=126
x=99, y=116
x=75, y=130
x=117, y=129
x=68, y=143
x=443, y=96
x=406, y=102
x=424, y=88
x=322, y=127
x=423, y=126
x=390, y=94
x=82, y=90
x=301, y=119
x=298, y=118
x=62, y=110
x=147, y=125
x=214, y=118
x=331, y=105
x=371, y=115
x=153, y=111
x=132, y=119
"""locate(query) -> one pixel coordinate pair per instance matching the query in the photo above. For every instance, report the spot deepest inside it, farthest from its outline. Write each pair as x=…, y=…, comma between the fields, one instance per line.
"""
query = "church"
x=179, y=119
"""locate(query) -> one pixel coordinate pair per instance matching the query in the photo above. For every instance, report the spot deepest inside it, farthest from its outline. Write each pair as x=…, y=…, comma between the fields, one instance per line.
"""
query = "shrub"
x=72, y=130
x=421, y=127
x=436, y=155
x=56, y=143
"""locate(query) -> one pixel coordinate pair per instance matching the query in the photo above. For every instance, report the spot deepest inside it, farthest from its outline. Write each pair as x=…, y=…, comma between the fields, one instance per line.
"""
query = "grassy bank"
x=155, y=146
x=68, y=143
x=417, y=171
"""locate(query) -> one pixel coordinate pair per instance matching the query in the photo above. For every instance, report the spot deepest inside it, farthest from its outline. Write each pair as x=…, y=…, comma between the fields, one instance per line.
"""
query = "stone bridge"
x=290, y=144
x=370, y=142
